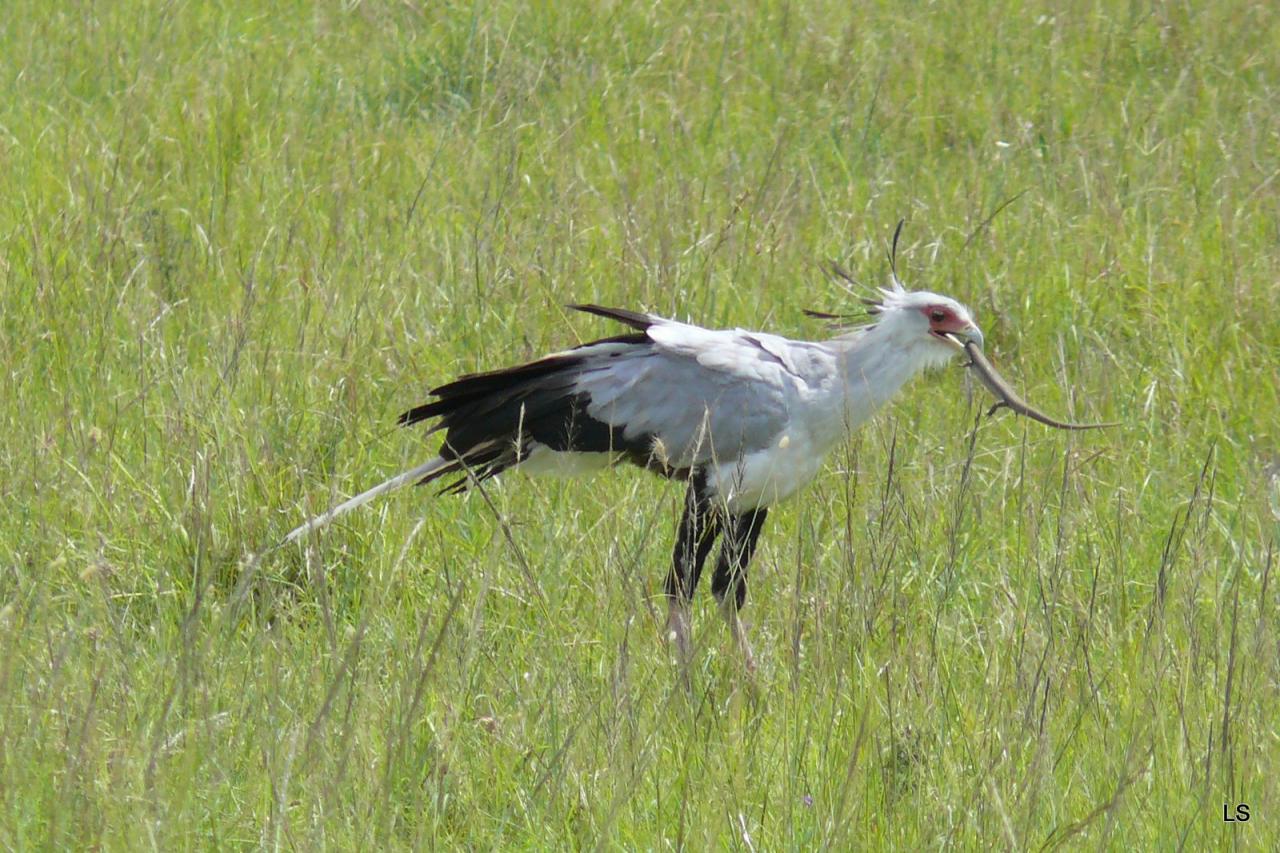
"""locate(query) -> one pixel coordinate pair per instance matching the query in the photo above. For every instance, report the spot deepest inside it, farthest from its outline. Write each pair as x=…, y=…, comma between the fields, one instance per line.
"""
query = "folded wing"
x=669, y=397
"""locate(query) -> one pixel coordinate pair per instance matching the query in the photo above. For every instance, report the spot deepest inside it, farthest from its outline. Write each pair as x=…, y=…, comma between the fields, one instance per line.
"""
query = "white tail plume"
x=410, y=476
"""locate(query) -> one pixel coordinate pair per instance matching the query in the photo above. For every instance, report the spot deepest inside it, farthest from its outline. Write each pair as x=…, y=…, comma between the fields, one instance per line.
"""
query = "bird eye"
x=937, y=315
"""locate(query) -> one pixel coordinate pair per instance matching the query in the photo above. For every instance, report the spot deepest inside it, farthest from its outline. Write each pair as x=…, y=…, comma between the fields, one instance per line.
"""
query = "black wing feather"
x=470, y=387
x=634, y=319
x=486, y=415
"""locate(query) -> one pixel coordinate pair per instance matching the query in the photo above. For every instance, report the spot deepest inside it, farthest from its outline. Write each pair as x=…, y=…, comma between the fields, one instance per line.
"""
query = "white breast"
x=767, y=476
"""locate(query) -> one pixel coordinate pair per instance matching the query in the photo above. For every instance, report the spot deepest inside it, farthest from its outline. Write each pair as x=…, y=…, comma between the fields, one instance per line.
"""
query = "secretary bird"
x=746, y=418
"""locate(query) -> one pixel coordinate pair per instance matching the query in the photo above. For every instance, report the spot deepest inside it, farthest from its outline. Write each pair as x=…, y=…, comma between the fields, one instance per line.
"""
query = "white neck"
x=875, y=363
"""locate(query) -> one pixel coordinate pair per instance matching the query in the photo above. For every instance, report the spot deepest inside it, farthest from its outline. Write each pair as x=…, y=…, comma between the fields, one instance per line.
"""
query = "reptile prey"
x=1006, y=397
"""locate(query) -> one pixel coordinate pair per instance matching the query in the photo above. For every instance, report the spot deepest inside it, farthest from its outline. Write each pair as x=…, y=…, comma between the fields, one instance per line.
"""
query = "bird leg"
x=699, y=526
x=739, y=633
x=729, y=583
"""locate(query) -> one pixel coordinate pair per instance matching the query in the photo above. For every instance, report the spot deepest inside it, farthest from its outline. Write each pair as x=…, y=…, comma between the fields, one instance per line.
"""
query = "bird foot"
x=739, y=632
x=678, y=630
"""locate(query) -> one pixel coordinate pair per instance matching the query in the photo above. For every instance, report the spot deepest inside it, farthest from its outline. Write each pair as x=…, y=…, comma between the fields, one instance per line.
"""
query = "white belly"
x=758, y=479
x=765, y=477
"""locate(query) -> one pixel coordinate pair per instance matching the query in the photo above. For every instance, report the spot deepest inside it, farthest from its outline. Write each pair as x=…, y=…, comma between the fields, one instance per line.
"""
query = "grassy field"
x=237, y=239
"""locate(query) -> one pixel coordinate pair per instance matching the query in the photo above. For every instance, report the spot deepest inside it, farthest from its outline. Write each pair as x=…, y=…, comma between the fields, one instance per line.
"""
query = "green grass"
x=237, y=239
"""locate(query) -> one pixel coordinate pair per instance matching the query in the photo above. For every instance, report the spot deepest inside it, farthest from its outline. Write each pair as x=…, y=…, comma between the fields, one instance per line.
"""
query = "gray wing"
x=672, y=394
x=697, y=395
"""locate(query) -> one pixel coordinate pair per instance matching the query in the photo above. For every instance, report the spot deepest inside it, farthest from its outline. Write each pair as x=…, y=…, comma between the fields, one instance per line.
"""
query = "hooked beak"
x=969, y=334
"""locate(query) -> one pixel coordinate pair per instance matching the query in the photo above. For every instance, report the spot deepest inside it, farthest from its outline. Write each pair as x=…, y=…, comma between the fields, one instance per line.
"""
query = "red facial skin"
x=943, y=319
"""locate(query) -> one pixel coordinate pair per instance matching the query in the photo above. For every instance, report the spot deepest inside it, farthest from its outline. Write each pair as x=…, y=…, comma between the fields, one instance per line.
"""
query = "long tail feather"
x=422, y=472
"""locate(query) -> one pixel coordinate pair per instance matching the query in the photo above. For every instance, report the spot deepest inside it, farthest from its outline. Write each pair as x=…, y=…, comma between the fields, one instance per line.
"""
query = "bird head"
x=916, y=330
x=930, y=326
